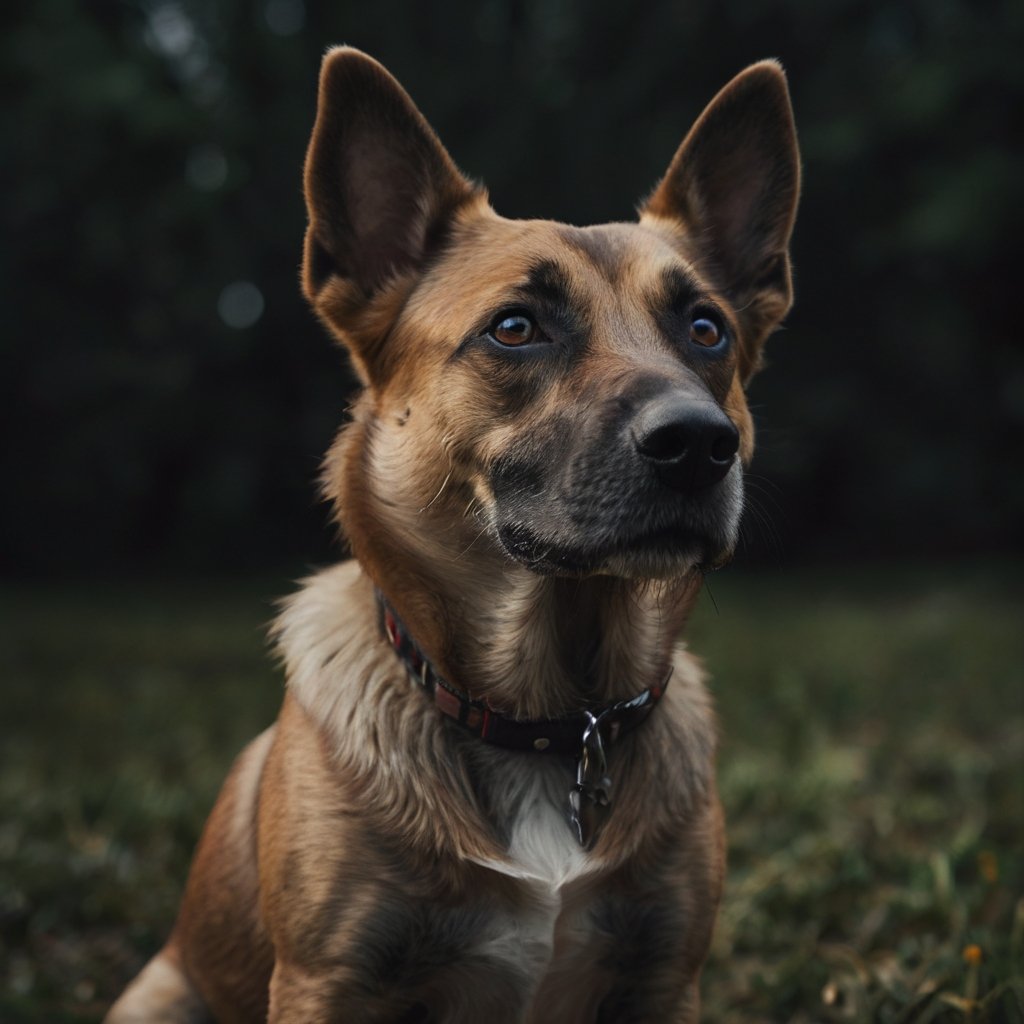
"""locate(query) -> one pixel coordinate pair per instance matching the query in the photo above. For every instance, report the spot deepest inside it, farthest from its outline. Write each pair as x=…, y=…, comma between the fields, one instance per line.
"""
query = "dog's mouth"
x=664, y=551
x=597, y=504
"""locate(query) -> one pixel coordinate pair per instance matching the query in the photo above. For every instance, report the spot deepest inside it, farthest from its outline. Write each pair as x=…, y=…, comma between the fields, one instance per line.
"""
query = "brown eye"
x=705, y=332
x=515, y=330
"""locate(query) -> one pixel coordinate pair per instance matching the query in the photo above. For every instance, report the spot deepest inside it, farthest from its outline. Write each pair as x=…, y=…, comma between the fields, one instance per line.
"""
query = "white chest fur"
x=541, y=847
x=545, y=856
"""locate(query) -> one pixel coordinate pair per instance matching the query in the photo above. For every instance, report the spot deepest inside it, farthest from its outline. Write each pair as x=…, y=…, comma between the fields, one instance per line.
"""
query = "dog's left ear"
x=733, y=187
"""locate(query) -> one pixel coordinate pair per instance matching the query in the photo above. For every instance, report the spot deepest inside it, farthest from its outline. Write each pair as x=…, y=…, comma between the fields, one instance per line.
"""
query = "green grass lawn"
x=872, y=768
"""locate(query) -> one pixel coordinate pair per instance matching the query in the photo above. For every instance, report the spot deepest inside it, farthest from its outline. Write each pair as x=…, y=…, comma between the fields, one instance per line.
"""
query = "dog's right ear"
x=380, y=190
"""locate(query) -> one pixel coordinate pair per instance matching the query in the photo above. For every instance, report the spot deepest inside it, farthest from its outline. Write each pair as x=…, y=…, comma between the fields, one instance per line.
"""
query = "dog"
x=489, y=795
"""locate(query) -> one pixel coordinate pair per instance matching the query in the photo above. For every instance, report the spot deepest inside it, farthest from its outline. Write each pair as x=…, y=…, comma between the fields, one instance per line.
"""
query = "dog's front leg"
x=298, y=996
x=655, y=979
x=455, y=996
x=658, y=928
x=637, y=1003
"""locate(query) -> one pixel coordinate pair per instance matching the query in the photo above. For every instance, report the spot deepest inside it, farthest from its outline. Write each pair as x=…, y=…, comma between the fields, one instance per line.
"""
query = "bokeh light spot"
x=240, y=304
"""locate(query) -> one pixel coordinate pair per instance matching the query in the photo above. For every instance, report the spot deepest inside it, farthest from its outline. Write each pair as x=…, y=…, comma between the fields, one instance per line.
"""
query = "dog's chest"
x=531, y=805
x=549, y=927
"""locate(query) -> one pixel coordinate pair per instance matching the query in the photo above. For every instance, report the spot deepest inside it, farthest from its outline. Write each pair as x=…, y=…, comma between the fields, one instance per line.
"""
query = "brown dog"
x=484, y=800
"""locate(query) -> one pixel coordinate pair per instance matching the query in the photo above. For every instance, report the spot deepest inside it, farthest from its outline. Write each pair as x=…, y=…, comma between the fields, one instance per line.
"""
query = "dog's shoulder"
x=326, y=637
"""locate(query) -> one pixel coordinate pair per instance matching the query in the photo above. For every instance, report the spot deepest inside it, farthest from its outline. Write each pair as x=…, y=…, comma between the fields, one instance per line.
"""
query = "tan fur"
x=367, y=859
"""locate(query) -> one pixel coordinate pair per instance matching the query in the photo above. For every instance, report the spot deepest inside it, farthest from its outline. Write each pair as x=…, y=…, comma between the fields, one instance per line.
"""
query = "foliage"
x=152, y=159
x=873, y=732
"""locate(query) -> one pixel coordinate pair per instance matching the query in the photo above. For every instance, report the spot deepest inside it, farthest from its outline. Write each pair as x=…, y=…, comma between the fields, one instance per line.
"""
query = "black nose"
x=691, y=443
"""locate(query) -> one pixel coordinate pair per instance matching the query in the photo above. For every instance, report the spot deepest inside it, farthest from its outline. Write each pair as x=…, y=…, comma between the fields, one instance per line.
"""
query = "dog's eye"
x=705, y=332
x=515, y=330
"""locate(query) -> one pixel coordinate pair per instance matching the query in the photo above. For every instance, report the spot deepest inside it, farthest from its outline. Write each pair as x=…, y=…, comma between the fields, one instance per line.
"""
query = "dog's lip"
x=527, y=547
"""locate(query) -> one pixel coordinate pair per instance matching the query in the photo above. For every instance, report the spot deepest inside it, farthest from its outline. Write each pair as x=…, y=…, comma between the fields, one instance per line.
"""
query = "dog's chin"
x=665, y=553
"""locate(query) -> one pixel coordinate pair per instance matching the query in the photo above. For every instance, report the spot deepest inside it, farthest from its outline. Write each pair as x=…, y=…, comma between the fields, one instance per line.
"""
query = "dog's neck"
x=546, y=646
x=539, y=646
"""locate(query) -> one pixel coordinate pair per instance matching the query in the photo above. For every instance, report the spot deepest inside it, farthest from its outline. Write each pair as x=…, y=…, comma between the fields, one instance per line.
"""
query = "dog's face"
x=579, y=390
x=583, y=376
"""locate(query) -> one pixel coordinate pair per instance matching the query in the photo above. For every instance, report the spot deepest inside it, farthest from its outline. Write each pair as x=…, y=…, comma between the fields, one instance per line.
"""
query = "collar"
x=585, y=734
x=548, y=735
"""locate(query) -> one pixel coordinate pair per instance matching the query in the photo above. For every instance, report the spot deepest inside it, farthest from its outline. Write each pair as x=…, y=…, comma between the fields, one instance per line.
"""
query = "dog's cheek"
x=515, y=481
x=525, y=469
x=738, y=411
x=526, y=474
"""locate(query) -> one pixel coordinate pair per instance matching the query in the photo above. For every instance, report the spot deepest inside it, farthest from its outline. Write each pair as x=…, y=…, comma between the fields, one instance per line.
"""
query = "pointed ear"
x=733, y=187
x=380, y=188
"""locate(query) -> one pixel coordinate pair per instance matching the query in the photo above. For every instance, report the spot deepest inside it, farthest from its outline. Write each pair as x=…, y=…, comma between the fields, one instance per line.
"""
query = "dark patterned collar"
x=584, y=734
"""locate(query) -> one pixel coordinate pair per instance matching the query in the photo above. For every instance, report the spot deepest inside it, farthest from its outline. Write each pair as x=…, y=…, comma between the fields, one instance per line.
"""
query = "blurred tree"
x=166, y=396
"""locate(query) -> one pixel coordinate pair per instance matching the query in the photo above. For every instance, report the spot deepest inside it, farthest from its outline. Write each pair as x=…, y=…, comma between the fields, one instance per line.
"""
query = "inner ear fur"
x=732, y=188
x=380, y=189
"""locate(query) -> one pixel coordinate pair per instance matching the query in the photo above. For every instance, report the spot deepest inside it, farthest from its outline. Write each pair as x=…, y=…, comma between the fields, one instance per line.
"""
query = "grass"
x=872, y=768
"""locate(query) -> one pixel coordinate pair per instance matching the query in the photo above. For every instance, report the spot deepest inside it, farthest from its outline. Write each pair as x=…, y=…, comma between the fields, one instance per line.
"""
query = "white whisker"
x=444, y=484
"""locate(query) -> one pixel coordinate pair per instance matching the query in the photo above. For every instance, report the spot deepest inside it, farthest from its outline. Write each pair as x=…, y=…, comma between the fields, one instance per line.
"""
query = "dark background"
x=151, y=158
x=166, y=397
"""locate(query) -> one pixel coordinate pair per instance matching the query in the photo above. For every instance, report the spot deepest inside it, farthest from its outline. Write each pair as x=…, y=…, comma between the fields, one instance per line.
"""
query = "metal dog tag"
x=591, y=797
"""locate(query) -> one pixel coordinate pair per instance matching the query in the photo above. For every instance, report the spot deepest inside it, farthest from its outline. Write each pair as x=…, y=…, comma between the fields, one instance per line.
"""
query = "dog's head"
x=568, y=398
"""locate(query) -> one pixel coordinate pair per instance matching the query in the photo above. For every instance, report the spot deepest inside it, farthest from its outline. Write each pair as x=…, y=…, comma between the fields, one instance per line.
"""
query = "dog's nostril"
x=665, y=444
x=724, y=447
